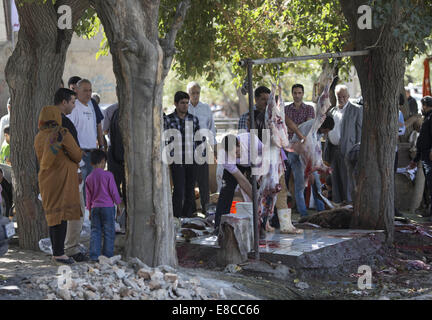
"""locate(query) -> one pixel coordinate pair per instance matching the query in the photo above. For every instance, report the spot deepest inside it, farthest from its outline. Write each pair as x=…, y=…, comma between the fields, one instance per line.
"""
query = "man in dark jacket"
x=424, y=143
x=413, y=108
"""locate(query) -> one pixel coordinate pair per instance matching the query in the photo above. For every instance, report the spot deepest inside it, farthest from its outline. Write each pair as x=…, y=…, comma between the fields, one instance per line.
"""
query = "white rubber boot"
x=286, y=225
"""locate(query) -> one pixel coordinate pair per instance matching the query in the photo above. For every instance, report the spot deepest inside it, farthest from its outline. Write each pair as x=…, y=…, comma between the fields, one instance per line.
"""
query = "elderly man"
x=205, y=117
x=342, y=145
x=84, y=117
x=73, y=85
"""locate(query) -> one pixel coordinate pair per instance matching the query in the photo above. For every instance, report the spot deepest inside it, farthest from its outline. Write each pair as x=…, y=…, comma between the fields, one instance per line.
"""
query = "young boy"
x=101, y=195
x=5, y=148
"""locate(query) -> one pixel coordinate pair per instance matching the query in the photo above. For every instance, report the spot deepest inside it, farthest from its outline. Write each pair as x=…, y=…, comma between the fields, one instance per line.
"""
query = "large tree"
x=33, y=74
x=141, y=62
x=399, y=30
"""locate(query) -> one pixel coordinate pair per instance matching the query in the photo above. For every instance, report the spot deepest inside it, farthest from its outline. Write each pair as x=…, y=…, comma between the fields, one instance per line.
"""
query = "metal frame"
x=248, y=63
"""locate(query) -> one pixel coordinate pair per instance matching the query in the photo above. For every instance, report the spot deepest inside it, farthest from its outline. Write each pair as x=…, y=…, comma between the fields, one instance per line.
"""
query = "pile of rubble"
x=115, y=279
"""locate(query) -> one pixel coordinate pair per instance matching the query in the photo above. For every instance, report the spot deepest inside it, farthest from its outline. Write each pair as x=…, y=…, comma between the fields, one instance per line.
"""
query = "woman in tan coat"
x=58, y=156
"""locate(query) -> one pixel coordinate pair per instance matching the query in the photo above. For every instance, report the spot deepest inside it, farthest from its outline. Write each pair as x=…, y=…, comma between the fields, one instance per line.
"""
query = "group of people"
x=186, y=174
x=71, y=152
x=342, y=128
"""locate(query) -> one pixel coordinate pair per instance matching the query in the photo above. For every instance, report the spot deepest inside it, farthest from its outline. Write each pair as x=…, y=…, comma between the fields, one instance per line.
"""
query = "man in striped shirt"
x=183, y=169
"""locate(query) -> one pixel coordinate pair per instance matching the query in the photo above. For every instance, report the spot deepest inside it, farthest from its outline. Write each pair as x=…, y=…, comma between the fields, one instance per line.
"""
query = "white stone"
x=154, y=285
x=120, y=273
x=302, y=285
x=51, y=296
x=157, y=275
x=171, y=277
x=115, y=259
x=183, y=293
x=44, y=287
x=160, y=294
x=130, y=283
x=89, y=295
x=144, y=273
x=124, y=292
x=195, y=281
x=64, y=294
x=104, y=260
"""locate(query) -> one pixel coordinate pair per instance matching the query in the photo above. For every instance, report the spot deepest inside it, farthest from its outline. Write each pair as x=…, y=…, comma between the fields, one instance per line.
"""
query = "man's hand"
x=80, y=179
x=302, y=138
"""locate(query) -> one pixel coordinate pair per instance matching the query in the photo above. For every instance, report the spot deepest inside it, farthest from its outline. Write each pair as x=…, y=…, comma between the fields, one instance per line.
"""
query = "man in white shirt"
x=205, y=117
x=342, y=145
x=83, y=116
x=4, y=122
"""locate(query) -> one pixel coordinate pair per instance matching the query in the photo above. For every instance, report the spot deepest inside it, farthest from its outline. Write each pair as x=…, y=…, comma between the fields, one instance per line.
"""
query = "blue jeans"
x=86, y=170
x=102, y=224
x=319, y=204
x=293, y=163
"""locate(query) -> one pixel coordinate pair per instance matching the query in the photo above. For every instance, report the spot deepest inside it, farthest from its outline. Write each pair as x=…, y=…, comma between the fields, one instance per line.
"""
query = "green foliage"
x=414, y=22
x=219, y=33
x=228, y=31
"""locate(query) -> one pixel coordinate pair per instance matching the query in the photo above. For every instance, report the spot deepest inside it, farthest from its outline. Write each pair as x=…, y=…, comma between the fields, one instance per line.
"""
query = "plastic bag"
x=45, y=245
x=86, y=227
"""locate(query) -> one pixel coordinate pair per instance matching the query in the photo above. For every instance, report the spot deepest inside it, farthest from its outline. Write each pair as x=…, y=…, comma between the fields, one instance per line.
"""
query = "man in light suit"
x=343, y=145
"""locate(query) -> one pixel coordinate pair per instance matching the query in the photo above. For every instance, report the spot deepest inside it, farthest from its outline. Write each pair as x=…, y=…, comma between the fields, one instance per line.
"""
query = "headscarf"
x=50, y=121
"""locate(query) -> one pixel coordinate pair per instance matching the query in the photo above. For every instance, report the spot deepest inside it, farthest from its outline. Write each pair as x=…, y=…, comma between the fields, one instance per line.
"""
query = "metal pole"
x=254, y=183
x=12, y=27
x=310, y=57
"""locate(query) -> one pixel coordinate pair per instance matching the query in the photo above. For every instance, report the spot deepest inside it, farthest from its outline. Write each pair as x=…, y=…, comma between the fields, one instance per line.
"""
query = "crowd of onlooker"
x=77, y=141
x=340, y=135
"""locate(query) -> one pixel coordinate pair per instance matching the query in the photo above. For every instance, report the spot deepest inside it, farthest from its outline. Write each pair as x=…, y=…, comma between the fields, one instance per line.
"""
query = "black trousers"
x=427, y=168
x=58, y=235
x=183, y=198
x=7, y=196
x=202, y=179
x=226, y=195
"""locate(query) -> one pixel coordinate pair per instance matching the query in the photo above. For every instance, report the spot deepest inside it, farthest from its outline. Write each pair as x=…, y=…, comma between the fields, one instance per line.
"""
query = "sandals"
x=67, y=261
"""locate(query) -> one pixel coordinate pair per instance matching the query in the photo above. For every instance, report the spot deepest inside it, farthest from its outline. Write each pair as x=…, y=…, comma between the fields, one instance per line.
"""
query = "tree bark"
x=381, y=74
x=141, y=62
x=33, y=74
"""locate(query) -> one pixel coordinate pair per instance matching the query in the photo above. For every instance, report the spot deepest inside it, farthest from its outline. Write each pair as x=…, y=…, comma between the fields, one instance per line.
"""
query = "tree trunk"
x=140, y=67
x=243, y=104
x=33, y=74
x=380, y=76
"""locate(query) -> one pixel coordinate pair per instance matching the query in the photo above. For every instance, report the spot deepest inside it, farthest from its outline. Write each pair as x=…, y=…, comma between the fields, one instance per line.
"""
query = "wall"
x=81, y=61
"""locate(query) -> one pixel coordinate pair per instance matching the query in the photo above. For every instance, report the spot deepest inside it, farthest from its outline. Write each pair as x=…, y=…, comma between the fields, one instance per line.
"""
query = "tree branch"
x=168, y=43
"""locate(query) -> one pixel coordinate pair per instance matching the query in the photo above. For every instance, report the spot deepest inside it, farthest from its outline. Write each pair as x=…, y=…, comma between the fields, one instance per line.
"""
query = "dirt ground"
x=392, y=277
